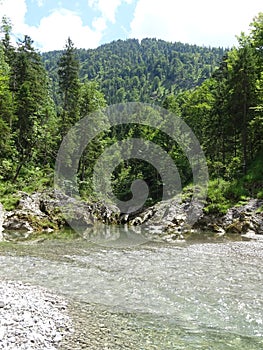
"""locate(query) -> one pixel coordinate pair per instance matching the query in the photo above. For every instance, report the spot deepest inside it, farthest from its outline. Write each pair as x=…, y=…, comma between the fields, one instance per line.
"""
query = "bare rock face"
x=245, y=219
x=27, y=217
x=168, y=220
x=51, y=210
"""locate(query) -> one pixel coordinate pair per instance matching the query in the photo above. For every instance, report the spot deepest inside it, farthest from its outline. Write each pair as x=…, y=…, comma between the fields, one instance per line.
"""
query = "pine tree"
x=9, y=50
x=243, y=93
x=32, y=103
x=91, y=100
x=7, y=151
x=69, y=86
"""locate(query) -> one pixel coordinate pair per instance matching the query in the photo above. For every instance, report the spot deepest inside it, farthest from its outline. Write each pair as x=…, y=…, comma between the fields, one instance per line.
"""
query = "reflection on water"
x=184, y=296
x=115, y=236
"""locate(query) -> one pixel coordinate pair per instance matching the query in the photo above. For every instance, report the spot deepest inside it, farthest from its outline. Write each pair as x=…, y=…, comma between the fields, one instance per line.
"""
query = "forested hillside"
x=143, y=71
x=218, y=93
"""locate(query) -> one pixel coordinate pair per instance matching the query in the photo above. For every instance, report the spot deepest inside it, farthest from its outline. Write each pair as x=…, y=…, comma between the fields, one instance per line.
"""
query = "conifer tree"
x=7, y=151
x=243, y=93
x=32, y=102
x=69, y=86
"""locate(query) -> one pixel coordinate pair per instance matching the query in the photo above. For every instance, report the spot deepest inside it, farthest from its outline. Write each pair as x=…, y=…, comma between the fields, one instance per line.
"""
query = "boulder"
x=27, y=217
x=49, y=210
x=167, y=220
x=243, y=219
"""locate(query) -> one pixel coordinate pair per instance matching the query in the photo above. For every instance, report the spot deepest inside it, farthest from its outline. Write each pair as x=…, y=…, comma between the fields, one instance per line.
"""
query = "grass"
x=223, y=194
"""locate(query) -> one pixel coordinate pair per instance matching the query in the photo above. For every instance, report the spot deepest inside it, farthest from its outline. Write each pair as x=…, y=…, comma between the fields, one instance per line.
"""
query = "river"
x=190, y=295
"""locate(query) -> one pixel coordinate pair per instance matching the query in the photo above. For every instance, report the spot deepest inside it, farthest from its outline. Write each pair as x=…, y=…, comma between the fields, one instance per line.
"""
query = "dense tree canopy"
x=217, y=92
x=143, y=71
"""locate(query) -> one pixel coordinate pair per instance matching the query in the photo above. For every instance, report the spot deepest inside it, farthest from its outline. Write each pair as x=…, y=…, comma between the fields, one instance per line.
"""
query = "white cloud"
x=53, y=31
x=108, y=8
x=16, y=16
x=192, y=21
x=99, y=24
x=198, y=22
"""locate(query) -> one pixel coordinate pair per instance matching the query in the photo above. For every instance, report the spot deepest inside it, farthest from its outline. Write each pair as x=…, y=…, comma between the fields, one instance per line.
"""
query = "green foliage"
x=218, y=93
x=217, y=203
x=143, y=71
x=9, y=195
x=69, y=86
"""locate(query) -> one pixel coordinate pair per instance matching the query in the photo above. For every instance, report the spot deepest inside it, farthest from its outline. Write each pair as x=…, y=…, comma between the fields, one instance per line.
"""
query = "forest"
x=217, y=92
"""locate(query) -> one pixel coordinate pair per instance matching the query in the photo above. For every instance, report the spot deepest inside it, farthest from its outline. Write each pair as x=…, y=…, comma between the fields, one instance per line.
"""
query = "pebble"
x=31, y=318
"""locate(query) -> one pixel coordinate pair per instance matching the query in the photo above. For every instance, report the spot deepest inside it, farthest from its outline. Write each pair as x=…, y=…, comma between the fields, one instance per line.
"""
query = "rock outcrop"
x=244, y=219
x=168, y=220
x=51, y=210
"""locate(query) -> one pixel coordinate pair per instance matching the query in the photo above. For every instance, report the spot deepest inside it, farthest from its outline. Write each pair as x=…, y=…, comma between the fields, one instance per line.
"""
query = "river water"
x=191, y=295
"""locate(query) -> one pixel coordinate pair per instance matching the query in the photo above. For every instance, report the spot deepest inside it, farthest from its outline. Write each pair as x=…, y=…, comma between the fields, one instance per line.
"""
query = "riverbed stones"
x=31, y=318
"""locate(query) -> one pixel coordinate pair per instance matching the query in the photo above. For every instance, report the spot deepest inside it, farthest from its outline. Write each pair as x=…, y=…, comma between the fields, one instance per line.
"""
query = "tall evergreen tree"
x=7, y=152
x=32, y=102
x=243, y=92
x=9, y=50
x=69, y=86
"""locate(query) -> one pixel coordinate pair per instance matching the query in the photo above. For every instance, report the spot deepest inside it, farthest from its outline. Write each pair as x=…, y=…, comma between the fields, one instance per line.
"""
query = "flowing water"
x=192, y=295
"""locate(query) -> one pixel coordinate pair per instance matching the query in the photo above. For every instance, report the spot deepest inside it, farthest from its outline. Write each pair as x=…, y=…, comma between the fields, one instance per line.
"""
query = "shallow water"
x=182, y=296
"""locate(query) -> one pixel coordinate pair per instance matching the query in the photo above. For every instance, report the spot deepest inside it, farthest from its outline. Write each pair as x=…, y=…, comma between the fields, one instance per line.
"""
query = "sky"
x=90, y=23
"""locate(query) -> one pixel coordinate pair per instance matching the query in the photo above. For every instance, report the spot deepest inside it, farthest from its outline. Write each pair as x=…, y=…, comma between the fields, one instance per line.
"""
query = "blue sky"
x=91, y=23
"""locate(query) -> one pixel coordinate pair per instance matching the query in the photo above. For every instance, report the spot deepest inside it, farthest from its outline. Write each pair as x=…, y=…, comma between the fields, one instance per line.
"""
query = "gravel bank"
x=97, y=327
x=31, y=318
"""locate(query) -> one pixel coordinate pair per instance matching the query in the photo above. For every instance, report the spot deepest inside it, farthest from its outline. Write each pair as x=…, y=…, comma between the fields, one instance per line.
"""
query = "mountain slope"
x=142, y=71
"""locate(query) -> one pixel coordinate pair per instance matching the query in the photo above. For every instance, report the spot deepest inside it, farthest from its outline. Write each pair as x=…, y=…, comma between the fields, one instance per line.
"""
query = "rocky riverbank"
x=169, y=220
x=31, y=318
